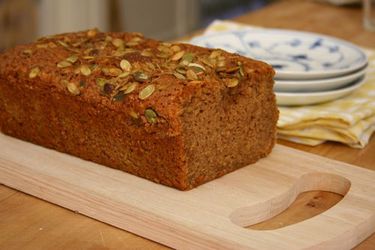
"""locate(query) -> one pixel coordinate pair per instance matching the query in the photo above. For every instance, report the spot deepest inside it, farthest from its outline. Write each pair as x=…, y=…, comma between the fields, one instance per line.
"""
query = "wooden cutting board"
x=211, y=216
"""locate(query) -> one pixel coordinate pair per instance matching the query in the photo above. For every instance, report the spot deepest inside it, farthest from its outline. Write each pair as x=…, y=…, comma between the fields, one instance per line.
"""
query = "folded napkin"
x=349, y=120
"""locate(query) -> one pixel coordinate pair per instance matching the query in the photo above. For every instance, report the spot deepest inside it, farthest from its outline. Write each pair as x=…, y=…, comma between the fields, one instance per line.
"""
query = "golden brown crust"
x=148, y=84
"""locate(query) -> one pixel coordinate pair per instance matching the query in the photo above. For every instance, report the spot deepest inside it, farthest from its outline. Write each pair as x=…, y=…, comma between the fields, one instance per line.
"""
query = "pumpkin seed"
x=119, y=96
x=88, y=57
x=27, y=52
x=64, y=64
x=129, y=87
x=221, y=64
x=178, y=55
x=125, y=65
x=162, y=55
x=108, y=38
x=92, y=33
x=166, y=44
x=181, y=70
x=42, y=46
x=241, y=71
x=117, y=42
x=133, y=114
x=186, y=59
x=232, y=82
x=124, y=74
x=215, y=54
x=209, y=62
x=179, y=76
x=150, y=66
x=119, y=52
x=175, y=48
x=72, y=59
x=34, y=72
x=134, y=41
x=140, y=76
x=196, y=67
x=232, y=69
x=72, y=88
x=100, y=82
x=191, y=75
x=82, y=84
x=113, y=71
x=146, y=53
x=85, y=70
x=64, y=44
x=195, y=82
x=52, y=45
x=146, y=92
x=151, y=115
x=130, y=50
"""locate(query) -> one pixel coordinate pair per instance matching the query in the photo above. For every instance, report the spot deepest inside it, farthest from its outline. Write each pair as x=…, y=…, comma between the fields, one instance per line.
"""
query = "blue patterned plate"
x=293, y=54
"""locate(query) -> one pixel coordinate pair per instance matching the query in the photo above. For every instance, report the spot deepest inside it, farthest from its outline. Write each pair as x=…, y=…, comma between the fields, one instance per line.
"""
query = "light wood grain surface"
x=29, y=223
x=212, y=216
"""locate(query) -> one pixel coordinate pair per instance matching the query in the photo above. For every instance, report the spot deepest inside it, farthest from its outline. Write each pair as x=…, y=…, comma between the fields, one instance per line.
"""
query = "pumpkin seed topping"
x=215, y=54
x=125, y=65
x=119, y=96
x=187, y=58
x=64, y=64
x=64, y=44
x=124, y=74
x=175, y=48
x=117, y=42
x=133, y=114
x=179, y=76
x=119, y=53
x=151, y=115
x=140, y=76
x=112, y=71
x=129, y=87
x=72, y=88
x=100, y=82
x=92, y=33
x=191, y=75
x=34, y=72
x=146, y=53
x=72, y=59
x=146, y=92
x=42, y=46
x=181, y=70
x=231, y=82
x=178, y=55
x=241, y=71
x=27, y=52
x=85, y=70
x=196, y=67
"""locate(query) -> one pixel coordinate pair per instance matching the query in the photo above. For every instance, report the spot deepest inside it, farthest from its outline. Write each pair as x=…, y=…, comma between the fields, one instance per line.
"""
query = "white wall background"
x=160, y=19
x=59, y=16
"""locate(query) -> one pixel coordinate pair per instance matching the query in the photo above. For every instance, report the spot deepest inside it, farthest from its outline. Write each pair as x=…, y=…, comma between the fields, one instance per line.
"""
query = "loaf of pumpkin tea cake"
x=175, y=114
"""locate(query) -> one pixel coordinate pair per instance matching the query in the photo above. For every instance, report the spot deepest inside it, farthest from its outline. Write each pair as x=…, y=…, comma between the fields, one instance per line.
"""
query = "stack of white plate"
x=310, y=68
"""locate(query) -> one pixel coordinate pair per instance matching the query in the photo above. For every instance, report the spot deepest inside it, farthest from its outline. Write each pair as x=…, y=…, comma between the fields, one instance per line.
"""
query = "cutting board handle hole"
x=318, y=185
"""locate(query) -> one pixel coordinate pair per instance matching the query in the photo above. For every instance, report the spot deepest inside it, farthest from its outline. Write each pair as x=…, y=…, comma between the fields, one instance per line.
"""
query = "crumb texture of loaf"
x=175, y=114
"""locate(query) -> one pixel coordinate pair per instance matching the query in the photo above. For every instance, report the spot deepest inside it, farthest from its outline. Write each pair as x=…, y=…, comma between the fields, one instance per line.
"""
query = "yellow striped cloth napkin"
x=349, y=120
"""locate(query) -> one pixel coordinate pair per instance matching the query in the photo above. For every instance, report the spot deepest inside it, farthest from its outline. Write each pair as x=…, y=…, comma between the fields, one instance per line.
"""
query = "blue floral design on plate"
x=293, y=54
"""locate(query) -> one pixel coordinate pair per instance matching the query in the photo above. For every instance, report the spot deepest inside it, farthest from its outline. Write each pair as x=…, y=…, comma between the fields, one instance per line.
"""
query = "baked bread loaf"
x=175, y=114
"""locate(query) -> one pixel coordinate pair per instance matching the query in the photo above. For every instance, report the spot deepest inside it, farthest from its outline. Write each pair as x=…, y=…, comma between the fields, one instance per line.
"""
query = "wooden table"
x=29, y=223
